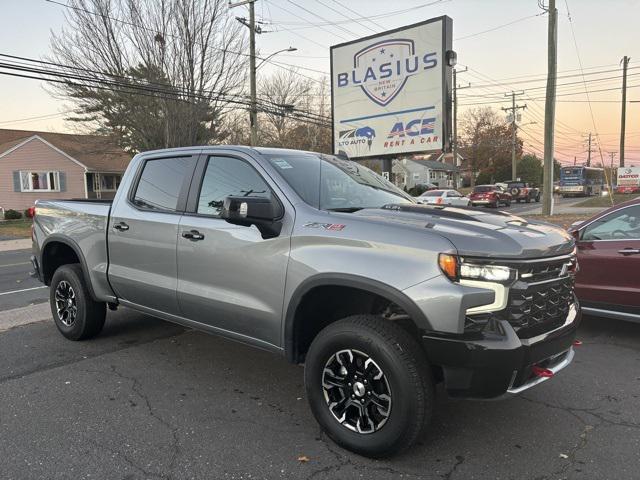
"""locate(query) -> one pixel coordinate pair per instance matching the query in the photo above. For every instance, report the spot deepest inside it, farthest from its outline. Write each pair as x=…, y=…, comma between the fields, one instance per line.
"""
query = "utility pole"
x=253, y=108
x=623, y=119
x=455, y=115
x=514, y=108
x=575, y=159
x=589, y=152
x=613, y=154
x=550, y=108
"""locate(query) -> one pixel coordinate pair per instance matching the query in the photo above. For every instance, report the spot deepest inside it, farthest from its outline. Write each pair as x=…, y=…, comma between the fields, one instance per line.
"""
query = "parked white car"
x=444, y=197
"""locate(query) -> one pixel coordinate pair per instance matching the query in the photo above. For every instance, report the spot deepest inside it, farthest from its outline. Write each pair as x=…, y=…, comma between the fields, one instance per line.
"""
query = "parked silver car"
x=444, y=197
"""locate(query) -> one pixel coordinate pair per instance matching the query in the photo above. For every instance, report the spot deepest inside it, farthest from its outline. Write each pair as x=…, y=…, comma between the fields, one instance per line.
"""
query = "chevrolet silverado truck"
x=319, y=259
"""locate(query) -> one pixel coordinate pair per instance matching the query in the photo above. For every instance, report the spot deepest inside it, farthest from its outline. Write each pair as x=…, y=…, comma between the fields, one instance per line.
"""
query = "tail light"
x=31, y=213
x=541, y=372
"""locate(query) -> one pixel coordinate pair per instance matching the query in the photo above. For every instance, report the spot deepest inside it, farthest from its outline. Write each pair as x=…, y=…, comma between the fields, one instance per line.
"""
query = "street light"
x=290, y=49
x=253, y=114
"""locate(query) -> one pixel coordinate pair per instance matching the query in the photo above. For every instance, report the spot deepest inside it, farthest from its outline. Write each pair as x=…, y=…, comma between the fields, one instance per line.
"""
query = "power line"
x=371, y=17
x=616, y=77
x=593, y=120
x=372, y=22
x=39, y=117
x=498, y=27
x=152, y=90
x=344, y=14
x=305, y=20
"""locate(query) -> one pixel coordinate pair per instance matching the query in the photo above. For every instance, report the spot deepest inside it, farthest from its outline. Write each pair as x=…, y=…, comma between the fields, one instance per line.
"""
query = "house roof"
x=433, y=165
x=96, y=152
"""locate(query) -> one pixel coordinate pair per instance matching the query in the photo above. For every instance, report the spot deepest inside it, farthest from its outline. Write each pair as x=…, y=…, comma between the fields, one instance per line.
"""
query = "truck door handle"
x=629, y=251
x=121, y=227
x=193, y=235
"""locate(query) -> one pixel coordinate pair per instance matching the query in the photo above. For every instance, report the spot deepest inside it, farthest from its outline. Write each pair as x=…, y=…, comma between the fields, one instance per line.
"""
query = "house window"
x=432, y=175
x=109, y=182
x=40, y=181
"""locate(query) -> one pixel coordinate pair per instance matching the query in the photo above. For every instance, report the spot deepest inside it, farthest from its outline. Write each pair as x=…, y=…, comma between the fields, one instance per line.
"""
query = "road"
x=17, y=287
x=148, y=399
x=524, y=208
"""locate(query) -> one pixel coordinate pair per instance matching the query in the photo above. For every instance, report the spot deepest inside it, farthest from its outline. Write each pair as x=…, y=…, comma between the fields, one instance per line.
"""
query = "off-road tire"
x=405, y=367
x=89, y=314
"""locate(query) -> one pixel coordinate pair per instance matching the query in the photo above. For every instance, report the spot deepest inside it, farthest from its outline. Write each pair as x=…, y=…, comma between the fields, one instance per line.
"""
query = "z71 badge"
x=336, y=227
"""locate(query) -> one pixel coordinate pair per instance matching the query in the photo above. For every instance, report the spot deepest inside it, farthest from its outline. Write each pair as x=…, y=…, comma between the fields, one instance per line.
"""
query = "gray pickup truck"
x=321, y=260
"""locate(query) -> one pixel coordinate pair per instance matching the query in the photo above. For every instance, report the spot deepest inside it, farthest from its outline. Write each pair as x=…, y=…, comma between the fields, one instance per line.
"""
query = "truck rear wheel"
x=75, y=313
x=369, y=385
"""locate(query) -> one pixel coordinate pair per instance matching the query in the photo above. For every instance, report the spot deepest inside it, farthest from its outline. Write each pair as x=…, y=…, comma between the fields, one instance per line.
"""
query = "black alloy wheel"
x=356, y=391
x=66, y=306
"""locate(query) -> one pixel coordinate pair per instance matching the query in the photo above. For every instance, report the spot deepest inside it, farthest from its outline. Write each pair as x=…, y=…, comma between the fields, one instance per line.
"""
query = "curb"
x=17, y=244
x=24, y=315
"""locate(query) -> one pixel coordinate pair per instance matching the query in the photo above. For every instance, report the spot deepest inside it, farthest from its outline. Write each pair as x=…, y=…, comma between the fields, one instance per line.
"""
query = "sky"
x=502, y=43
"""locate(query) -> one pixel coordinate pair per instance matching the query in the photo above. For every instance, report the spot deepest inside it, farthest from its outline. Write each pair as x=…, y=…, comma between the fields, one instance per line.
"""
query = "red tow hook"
x=541, y=372
x=577, y=343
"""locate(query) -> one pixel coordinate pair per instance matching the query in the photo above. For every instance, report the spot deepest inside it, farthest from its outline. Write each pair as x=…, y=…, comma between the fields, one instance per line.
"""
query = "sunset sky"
x=502, y=43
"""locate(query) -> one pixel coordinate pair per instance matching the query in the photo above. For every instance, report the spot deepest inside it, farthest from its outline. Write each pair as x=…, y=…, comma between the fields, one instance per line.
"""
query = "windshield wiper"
x=345, y=209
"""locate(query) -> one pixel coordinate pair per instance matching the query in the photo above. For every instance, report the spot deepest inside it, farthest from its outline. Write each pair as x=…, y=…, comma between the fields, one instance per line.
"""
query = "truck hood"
x=477, y=232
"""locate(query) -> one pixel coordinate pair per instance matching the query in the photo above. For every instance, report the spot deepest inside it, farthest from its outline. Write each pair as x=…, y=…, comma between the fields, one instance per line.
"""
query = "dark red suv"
x=489, y=195
x=608, y=281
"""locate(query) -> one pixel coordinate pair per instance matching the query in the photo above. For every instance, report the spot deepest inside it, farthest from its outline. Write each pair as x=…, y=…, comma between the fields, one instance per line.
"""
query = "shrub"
x=12, y=215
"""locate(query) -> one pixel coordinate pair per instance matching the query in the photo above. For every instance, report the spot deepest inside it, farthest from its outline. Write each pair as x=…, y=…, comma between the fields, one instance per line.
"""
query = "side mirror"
x=264, y=213
x=574, y=230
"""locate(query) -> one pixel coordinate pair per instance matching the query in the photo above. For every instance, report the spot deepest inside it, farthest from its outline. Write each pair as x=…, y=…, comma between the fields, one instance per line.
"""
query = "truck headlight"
x=493, y=273
x=456, y=269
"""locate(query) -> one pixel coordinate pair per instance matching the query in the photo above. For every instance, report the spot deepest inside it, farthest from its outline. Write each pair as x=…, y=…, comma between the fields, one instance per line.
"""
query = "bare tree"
x=295, y=112
x=165, y=71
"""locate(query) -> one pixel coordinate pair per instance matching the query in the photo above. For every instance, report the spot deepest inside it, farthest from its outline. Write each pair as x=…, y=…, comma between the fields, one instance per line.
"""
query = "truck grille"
x=538, y=302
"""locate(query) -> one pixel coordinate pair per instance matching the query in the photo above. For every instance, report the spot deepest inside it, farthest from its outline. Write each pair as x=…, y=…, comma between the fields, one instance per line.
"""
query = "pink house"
x=38, y=165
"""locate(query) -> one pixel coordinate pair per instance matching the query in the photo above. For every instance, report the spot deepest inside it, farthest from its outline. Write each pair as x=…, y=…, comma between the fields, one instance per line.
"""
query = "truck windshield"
x=327, y=182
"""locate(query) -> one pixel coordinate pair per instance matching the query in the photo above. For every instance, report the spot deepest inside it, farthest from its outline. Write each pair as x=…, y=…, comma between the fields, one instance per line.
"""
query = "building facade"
x=40, y=165
x=427, y=169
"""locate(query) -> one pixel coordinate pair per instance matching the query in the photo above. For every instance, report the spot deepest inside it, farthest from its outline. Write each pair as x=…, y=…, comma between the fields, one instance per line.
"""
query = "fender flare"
x=57, y=238
x=345, y=280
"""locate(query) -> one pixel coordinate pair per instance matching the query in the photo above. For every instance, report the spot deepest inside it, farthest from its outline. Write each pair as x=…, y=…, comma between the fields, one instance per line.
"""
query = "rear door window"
x=161, y=182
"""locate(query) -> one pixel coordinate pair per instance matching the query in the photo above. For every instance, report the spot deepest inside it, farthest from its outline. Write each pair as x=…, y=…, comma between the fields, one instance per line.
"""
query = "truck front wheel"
x=369, y=385
x=75, y=313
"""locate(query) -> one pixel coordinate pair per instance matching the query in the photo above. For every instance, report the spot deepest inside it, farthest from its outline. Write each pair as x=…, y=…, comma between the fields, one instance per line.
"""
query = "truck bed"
x=83, y=223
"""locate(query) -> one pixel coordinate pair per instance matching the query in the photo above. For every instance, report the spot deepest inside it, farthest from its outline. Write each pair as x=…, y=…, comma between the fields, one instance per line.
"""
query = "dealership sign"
x=390, y=92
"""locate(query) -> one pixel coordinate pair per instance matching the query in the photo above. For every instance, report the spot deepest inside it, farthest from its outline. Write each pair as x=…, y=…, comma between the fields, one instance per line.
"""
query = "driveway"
x=148, y=399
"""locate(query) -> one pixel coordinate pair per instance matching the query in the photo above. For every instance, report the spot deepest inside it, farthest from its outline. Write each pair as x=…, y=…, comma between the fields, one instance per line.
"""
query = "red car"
x=489, y=195
x=608, y=280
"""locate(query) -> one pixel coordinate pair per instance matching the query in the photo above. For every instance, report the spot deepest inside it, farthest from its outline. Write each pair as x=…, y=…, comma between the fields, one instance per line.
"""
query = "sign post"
x=391, y=92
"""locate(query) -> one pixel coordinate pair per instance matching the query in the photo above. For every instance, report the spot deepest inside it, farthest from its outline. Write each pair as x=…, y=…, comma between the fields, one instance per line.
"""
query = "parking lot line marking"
x=23, y=290
x=15, y=264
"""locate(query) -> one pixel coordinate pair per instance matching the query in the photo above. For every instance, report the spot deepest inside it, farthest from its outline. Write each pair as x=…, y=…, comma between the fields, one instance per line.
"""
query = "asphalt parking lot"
x=148, y=399
x=17, y=287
